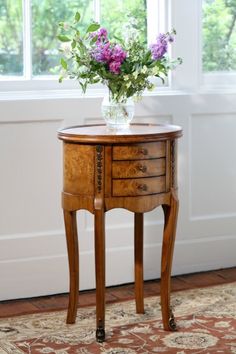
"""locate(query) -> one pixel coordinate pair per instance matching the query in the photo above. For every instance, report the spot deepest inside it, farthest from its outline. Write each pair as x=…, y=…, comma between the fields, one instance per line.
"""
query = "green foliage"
x=219, y=35
x=116, y=14
x=11, y=43
x=93, y=27
x=46, y=15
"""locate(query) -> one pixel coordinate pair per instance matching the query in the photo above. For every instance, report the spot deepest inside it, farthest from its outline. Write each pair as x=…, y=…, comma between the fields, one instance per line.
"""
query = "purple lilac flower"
x=118, y=54
x=117, y=58
x=101, y=35
x=114, y=67
x=102, y=32
x=159, y=48
x=102, y=52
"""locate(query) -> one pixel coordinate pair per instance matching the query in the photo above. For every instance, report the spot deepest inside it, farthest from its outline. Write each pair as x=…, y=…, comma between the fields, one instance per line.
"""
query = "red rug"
x=206, y=320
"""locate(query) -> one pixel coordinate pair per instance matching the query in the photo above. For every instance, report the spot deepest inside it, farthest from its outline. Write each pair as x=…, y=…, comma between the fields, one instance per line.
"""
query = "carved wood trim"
x=174, y=164
x=99, y=168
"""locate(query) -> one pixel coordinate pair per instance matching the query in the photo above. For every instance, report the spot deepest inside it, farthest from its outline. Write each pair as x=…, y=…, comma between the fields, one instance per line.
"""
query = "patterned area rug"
x=206, y=320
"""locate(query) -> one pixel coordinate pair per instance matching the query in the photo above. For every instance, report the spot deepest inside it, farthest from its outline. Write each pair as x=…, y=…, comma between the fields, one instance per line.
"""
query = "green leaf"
x=73, y=44
x=60, y=79
x=63, y=38
x=93, y=27
x=93, y=40
x=83, y=86
x=77, y=16
x=147, y=56
x=64, y=64
x=120, y=40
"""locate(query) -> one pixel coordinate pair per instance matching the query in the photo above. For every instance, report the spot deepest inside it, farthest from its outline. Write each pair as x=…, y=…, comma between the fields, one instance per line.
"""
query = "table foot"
x=100, y=334
x=172, y=323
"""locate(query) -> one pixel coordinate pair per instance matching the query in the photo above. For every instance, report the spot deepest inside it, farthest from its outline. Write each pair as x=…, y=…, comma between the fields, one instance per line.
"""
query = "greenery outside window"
x=219, y=41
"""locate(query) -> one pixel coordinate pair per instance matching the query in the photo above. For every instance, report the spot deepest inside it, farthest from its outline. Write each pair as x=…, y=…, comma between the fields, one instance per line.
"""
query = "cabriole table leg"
x=100, y=273
x=73, y=257
x=138, y=260
x=170, y=213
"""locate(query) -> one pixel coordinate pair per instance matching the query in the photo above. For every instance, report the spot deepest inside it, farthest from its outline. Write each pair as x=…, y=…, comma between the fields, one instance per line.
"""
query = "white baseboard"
x=36, y=276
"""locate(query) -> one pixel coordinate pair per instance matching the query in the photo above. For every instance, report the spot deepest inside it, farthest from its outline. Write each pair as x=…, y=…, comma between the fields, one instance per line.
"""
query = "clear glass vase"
x=117, y=114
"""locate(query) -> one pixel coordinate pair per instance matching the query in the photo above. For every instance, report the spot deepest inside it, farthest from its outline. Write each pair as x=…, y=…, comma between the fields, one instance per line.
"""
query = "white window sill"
x=74, y=93
x=99, y=93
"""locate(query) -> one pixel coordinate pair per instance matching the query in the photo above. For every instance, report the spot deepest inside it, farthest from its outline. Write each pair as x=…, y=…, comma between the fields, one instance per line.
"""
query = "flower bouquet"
x=124, y=65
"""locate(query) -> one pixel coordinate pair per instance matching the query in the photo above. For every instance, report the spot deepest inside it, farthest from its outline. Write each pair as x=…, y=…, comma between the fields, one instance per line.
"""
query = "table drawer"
x=139, y=168
x=139, y=151
x=138, y=186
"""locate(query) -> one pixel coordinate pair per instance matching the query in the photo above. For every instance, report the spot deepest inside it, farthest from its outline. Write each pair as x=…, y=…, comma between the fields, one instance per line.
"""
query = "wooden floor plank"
x=202, y=279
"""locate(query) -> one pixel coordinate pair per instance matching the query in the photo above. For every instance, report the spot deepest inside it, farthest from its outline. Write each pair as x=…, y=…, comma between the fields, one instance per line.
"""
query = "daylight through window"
x=219, y=35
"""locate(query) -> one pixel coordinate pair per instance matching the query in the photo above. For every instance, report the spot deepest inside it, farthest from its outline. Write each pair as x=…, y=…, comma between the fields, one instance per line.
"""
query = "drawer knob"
x=143, y=151
x=142, y=168
x=142, y=187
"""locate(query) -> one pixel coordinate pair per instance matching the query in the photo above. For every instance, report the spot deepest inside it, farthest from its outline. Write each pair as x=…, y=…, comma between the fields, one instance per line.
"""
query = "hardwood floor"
x=113, y=294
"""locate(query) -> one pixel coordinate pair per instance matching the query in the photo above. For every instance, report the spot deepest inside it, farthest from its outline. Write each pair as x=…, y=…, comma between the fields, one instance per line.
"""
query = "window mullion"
x=97, y=10
x=162, y=16
x=27, y=46
x=152, y=20
x=186, y=20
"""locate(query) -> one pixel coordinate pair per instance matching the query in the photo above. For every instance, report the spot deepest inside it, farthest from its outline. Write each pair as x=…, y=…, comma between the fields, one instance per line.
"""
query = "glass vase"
x=117, y=114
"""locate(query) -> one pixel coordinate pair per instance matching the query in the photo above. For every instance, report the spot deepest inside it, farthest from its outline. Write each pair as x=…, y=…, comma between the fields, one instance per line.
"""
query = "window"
x=219, y=35
x=11, y=39
x=46, y=15
x=29, y=47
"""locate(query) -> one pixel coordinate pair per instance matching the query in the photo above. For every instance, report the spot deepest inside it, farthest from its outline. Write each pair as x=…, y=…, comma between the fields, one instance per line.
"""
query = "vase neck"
x=112, y=99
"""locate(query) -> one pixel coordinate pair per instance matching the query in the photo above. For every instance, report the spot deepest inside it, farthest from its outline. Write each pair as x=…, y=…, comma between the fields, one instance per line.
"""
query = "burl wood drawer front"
x=138, y=186
x=141, y=168
x=139, y=151
x=79, y=169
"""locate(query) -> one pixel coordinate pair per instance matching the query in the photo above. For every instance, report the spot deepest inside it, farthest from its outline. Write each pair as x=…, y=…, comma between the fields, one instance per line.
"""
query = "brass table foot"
x=100, y=334
x=172, y=323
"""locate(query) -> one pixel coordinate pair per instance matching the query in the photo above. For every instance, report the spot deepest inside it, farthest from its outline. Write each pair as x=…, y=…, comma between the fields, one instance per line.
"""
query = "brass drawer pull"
x=142, y=168
x=142, y=187
x=143, y=151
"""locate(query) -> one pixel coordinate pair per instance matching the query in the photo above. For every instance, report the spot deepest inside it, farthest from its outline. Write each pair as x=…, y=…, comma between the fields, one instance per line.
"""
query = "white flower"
x=66, y=48
x=144, y=69
x=63, y=74
x=66, y=26
x=151, y=87
x=154, y=70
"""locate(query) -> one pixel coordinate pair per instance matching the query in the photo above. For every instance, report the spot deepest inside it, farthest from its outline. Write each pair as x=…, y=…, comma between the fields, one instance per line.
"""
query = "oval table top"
x=102, y=134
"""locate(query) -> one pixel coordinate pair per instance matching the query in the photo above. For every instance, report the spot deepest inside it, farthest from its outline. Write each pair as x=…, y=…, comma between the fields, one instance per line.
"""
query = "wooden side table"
x=133, y=169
